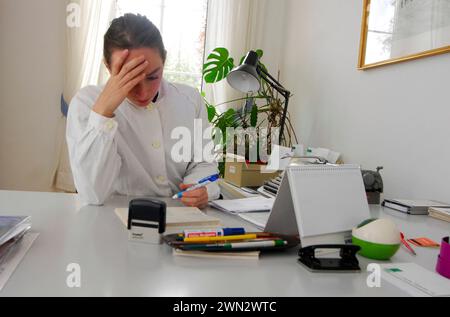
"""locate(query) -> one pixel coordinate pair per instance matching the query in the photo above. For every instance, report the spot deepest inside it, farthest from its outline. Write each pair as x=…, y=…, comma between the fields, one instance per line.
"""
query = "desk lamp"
x=247, y=79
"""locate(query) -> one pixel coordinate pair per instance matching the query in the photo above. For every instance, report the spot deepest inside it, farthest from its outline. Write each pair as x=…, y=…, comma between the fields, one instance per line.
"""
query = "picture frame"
x=394, y=31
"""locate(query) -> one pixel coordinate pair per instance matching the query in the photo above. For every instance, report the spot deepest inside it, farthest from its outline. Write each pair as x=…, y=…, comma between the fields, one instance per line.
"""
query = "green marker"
x=238, y=245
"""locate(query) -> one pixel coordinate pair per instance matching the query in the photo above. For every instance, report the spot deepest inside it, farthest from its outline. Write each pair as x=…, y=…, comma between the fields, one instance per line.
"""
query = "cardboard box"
x=247, y=175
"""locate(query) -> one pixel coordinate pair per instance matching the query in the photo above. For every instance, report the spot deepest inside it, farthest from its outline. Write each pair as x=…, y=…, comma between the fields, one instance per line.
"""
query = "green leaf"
x=254, y=116
x=211, y=113
x=218, y=65
x=259, y=52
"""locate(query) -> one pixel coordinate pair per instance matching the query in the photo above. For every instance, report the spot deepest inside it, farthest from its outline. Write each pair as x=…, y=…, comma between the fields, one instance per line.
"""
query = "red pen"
x=406, y=244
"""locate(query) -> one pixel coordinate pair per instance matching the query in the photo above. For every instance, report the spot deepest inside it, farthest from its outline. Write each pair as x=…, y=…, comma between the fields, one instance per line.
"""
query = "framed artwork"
x=400, y=30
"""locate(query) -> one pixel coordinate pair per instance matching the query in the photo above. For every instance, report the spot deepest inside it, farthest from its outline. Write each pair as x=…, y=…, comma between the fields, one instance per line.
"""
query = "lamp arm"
x=273, y=82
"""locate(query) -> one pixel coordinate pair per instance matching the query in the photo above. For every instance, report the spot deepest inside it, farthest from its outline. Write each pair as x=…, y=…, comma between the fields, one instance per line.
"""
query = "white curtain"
x=84, y=66
x=239, y=26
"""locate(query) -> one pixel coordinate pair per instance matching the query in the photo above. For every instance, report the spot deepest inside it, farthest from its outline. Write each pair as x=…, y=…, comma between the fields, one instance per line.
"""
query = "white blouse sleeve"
x=93, y=154
x=197, y=171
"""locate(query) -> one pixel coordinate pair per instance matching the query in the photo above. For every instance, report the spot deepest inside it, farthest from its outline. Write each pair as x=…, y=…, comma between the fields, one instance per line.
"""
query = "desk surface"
x=111, y=266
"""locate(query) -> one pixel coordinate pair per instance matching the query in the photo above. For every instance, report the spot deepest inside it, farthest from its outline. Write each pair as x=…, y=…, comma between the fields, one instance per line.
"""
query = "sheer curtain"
x=84, y=66
x=239, y=26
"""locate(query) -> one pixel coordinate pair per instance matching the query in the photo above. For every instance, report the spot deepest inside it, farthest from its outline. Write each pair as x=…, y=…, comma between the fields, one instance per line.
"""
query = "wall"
x=31, y=80
x=395, y=116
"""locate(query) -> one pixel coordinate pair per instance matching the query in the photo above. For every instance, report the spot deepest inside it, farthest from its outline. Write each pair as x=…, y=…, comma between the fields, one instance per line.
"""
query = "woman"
x=119, y=135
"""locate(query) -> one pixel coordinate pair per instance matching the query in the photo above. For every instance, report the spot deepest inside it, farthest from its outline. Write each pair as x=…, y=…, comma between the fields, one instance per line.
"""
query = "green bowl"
x=376, y=251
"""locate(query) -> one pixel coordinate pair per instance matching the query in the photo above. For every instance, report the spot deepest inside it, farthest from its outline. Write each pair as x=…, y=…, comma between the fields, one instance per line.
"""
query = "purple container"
x=443, y=264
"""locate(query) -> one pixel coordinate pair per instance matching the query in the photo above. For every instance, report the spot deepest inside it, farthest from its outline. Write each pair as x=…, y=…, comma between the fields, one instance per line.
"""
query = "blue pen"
x=200, y=184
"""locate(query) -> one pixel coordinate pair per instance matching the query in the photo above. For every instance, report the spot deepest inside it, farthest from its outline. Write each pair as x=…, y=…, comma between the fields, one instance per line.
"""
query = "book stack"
x=12, y=230
x=440, y=213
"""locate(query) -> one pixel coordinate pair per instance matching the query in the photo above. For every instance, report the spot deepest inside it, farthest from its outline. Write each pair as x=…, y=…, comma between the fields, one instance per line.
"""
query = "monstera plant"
x=261, y=110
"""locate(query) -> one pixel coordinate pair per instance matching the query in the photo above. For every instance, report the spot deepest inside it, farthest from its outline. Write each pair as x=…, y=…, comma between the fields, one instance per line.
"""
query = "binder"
x=320, y=203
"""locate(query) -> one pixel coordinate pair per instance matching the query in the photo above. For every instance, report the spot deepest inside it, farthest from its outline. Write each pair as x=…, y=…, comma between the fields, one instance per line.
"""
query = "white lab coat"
x=131, y=153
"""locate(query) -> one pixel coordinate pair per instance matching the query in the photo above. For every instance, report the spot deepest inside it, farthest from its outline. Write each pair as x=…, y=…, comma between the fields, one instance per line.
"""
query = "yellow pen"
x=220, y=239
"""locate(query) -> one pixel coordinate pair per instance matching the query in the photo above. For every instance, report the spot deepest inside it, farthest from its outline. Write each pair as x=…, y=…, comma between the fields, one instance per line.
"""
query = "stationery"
x=415, y=280
x=424, y=243
x=179, y=218
x=218, y=239
x=244, y=255
x=238, y=206
x=443, y=263
x=440, y=213
x=321, y=203
x=200, y=184
x=219, y=232
x=412, y=207
x=402, y=238
x=238, y=245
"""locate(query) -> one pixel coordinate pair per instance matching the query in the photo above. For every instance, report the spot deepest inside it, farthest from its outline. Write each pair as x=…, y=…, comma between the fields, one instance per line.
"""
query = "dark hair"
x=132, y=31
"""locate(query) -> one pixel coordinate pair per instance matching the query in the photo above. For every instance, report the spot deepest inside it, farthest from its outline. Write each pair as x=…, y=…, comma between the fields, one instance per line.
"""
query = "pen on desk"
x=219, y=239
x=202, y=233
x=237, y=246
x=200, y=184
x=406, y=244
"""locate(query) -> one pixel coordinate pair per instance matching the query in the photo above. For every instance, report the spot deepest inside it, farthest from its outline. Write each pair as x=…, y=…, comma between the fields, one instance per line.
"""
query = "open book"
x=179, y=218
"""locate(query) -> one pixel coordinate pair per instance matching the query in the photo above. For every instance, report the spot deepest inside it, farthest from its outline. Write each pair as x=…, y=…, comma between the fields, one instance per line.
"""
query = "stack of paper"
x=233, y=192
x=440, y=213
x=237, y=206
x=15, y=240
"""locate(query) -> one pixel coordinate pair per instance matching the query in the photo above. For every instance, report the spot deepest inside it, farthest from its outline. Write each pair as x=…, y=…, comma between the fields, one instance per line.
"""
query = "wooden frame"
x=362, y=65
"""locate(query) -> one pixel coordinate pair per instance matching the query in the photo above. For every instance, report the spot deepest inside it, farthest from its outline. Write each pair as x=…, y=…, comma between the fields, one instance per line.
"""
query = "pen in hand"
x=200, y=184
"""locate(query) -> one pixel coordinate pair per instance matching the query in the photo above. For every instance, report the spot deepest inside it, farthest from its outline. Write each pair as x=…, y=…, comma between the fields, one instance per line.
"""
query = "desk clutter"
x=193, y=233
x=246, y=241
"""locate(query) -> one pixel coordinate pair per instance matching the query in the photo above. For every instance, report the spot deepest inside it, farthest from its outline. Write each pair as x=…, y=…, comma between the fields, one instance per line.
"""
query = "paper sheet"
x=10, y=265
x=416, y=280
x=244, y=205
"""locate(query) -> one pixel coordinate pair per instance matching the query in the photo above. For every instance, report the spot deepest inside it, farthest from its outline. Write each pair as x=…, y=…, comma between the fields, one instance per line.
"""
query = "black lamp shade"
x=245, y=78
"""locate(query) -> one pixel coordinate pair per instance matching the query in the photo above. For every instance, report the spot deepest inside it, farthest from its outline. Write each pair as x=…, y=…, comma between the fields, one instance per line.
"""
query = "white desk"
x=111, y=266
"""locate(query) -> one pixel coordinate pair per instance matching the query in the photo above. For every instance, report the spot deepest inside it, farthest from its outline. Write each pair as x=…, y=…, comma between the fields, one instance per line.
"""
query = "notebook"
x=179, y=218
x=321, y=203
x=413, y=207
x=238, y=206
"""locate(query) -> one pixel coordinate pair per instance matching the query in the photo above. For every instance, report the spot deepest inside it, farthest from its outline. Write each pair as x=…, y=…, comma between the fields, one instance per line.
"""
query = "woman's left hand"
x=196, y=198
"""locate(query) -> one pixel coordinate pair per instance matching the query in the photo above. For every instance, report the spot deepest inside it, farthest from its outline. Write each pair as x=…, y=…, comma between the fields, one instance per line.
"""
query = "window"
x=183, y=26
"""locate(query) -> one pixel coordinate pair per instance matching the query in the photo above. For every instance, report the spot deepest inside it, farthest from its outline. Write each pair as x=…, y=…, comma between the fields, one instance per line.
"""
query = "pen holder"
x=147, y=221
x=443, y=264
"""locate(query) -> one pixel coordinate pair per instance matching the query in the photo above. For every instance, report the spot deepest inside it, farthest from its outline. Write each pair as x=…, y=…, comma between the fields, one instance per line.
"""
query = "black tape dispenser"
x=147, y=220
